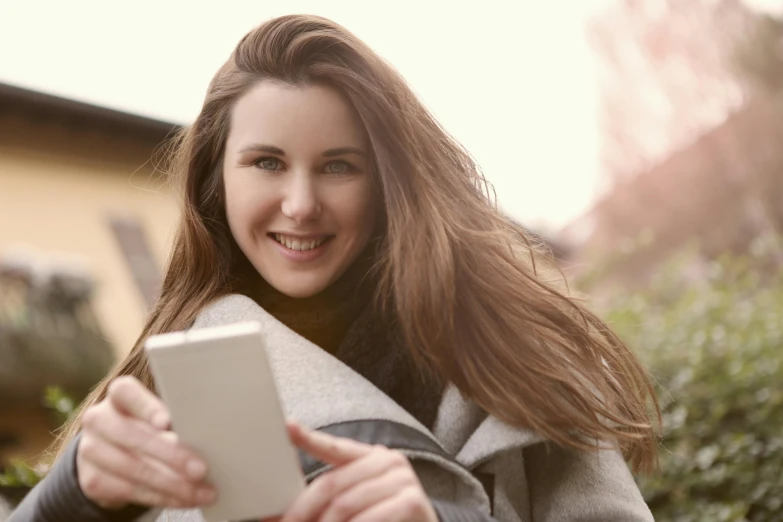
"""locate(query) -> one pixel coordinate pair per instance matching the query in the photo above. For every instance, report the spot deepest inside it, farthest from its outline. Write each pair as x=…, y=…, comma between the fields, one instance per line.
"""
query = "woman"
x=407, y=318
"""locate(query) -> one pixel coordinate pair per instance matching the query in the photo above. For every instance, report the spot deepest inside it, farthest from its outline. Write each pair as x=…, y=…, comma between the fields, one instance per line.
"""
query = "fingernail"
x=196, y=468
x=205, y=496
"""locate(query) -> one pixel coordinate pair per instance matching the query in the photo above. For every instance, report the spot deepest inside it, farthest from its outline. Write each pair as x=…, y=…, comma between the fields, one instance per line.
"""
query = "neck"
x=325, y=317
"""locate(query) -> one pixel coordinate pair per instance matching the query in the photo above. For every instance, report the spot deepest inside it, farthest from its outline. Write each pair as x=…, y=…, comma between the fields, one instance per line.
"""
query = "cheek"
x=246, y=207
x=235, y=211
x=357, y=211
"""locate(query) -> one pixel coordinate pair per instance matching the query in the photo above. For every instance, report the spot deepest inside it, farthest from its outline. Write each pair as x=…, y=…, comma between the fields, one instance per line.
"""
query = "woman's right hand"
x=126, y=455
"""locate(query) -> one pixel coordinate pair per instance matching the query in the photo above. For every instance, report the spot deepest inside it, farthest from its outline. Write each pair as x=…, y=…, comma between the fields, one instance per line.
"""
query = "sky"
x=513, y=80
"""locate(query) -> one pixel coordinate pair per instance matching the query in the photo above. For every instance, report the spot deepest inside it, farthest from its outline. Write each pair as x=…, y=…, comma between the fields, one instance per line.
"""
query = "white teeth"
x=298, y=244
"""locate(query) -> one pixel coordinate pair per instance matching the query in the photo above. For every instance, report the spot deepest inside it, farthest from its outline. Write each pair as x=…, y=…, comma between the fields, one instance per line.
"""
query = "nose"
x=300, y=201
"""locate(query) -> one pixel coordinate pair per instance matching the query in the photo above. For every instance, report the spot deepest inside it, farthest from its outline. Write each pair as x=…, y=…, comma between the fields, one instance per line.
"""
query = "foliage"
x=61, y=404
x=713, y=339
x=49, y=333
x=20, y=473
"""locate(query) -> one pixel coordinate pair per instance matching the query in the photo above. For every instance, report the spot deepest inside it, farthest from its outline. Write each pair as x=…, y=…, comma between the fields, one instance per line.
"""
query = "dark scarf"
x=344, y=321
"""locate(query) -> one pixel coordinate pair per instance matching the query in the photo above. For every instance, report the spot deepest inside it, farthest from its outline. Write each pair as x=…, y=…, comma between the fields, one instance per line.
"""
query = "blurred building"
x=85, y=224
x=691, y=144
x=723, y=191
x=667, y=72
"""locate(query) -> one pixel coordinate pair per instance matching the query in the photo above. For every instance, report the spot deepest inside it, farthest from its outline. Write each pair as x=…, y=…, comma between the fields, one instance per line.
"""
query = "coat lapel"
x=324, y=393
x=314, y=387
x=472, y=436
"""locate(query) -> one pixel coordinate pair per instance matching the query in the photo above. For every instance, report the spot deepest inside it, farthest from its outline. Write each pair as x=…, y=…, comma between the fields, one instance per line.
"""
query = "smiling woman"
x=301, y=206
x=413, y=325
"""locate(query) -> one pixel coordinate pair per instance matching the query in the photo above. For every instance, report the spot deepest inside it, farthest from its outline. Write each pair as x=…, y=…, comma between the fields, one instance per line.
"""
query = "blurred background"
x=641, y=139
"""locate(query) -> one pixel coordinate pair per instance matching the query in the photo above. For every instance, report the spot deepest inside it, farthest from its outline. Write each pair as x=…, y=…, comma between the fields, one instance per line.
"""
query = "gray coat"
x=469, y=458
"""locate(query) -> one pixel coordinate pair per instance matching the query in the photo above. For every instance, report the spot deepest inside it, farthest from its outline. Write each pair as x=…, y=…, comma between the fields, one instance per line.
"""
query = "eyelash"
x=349, y=167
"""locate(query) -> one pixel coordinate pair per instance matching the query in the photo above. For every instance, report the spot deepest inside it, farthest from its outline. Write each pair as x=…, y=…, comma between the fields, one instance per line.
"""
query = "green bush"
x=714, y=342
x=20, y=473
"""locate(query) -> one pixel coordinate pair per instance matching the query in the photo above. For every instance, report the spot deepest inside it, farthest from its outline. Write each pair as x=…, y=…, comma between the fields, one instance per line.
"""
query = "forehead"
x=294, y=117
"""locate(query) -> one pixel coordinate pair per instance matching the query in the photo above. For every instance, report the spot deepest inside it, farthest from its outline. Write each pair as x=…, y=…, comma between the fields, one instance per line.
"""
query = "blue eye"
x=338, y=167
x=268, y=163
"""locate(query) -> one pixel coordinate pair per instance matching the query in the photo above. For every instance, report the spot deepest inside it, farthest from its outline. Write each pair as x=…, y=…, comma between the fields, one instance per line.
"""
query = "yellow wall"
x=57, y=187
x=58, y=184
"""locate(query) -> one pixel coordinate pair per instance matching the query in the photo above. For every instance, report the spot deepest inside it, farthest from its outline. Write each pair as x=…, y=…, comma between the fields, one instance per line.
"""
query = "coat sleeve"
x=578, y=486
x=58, y=498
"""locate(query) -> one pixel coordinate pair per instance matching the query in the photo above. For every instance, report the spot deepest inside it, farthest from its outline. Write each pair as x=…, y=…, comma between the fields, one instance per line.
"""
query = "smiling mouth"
x=299, y=244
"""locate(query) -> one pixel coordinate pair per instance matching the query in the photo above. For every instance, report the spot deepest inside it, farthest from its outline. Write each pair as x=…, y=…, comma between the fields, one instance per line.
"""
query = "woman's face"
x=299, y=195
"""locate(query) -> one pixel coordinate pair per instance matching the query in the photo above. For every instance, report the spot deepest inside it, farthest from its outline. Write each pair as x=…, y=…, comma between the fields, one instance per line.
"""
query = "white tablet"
x=221, y=394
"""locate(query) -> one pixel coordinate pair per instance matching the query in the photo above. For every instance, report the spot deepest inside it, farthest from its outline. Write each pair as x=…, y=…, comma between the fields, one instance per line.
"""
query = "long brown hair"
x=463, y=282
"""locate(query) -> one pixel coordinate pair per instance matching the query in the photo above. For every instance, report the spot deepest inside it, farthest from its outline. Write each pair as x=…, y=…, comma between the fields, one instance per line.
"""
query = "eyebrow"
x=255, y=147
x=343, y=150
x=331, y=153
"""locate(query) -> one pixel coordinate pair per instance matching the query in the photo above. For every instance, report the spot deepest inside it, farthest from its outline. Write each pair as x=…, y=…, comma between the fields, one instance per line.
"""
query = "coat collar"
x=319, y=390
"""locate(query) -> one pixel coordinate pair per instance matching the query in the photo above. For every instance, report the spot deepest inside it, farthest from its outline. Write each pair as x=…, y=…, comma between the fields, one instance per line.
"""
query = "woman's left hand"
x=367, y=483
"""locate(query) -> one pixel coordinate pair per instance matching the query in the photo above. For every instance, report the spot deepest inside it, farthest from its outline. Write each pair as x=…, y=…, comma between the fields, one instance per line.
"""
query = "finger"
x=327, y=448
x=144, y=472
x=329, y=486
x=409, y=505
x=131, y=397
x=364, y=495
x=113, y=492
x=140, y=438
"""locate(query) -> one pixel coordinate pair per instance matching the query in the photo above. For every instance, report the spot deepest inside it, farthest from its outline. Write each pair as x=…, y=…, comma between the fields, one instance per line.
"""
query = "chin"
x=299, y=290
